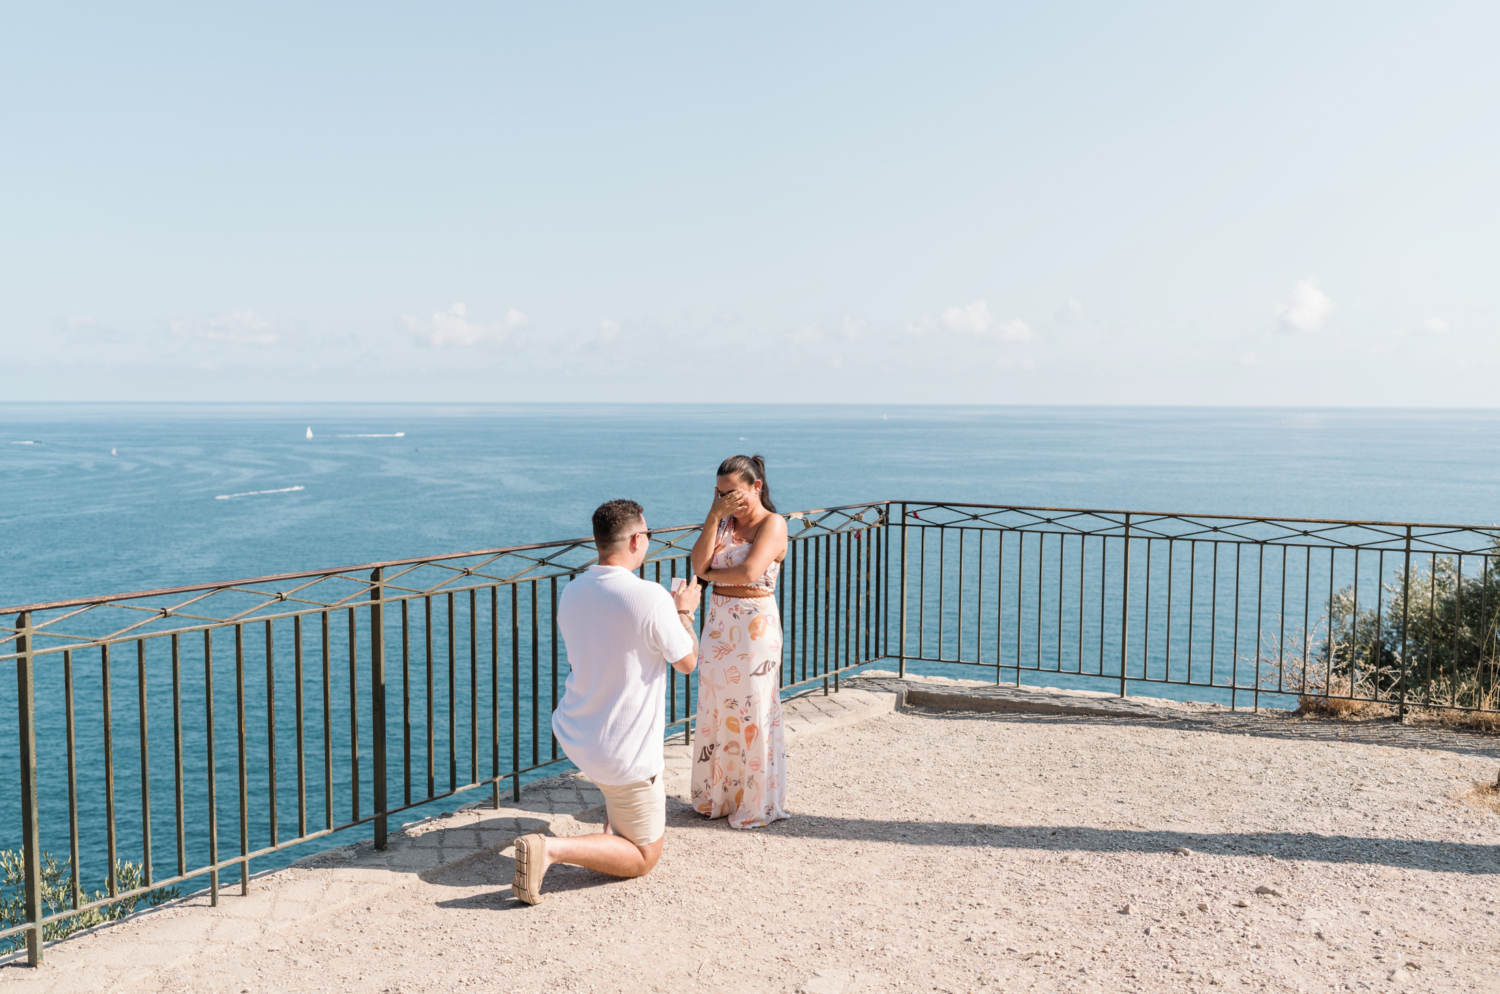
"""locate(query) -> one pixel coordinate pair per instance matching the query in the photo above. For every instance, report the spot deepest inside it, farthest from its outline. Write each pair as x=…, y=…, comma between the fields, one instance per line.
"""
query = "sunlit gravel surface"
x=950, y=852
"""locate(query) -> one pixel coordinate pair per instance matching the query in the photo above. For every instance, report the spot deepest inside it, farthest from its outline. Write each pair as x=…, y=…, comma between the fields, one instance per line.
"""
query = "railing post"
x=902, y=610
x=515, y=693
x=377, y=700
x=878, y=603
x=140, y=662
x=239, y=721
x=31, y=842
x=1125, y=606
x=211, y=768
x=1405, y=613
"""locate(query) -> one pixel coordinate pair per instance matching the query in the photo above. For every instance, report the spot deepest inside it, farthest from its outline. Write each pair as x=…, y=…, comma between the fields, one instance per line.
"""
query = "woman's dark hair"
x=750, y=469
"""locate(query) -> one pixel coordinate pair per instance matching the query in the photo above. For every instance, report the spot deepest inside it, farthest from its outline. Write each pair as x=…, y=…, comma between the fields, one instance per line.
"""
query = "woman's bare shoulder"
x=774, y=526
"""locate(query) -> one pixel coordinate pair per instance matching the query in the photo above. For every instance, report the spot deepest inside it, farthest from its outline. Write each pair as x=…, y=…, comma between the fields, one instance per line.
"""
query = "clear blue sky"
x=1269, y=203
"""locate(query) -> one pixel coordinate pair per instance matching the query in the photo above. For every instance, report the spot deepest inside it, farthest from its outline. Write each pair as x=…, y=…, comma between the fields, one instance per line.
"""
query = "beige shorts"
x=637, y=811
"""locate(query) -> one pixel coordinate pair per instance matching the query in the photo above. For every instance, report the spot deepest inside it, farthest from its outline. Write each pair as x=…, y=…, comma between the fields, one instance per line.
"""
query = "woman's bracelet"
x=688, y=613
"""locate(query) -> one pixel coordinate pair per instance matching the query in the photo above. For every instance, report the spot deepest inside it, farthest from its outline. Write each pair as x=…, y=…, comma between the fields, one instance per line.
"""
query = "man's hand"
x=688, y=597
x=685, y=599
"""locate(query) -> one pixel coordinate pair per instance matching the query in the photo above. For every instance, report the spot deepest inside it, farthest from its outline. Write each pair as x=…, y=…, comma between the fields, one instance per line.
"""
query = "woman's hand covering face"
x=726, y=505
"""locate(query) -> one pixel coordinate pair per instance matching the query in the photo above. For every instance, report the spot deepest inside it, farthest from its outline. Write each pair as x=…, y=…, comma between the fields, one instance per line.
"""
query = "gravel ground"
x=962, y=852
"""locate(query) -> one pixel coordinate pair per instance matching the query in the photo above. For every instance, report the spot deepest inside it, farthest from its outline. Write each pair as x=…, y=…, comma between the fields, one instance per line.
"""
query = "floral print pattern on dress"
x=739, y=748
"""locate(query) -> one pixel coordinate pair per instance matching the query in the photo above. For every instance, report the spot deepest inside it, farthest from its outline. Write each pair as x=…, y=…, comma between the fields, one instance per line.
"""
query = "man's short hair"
x=614, y=521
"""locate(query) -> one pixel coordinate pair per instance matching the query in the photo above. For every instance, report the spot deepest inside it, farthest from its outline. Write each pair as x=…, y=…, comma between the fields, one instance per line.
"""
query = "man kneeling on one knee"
x=622, y=632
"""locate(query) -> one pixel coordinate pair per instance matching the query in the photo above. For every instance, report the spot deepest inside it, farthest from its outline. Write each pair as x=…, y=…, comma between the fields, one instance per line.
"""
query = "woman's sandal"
x=531, y=856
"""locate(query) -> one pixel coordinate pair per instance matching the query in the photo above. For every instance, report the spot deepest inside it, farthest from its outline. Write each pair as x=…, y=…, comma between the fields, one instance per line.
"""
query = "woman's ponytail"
x=751, y=469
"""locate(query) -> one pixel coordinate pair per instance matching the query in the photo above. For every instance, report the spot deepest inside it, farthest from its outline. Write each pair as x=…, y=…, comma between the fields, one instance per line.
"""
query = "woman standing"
x=739, y=752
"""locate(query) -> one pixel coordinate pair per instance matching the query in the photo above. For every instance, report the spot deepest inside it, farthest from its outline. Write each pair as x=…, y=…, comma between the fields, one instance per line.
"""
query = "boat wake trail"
x=255, y=493
x=394, y=434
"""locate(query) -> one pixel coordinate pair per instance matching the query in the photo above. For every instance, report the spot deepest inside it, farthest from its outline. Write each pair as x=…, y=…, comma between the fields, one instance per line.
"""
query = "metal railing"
x=1360, y=611
x=409, y=681
x=414, y=680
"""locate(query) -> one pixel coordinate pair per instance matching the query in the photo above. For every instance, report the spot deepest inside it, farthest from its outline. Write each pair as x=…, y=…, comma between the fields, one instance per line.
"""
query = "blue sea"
x=100, y=499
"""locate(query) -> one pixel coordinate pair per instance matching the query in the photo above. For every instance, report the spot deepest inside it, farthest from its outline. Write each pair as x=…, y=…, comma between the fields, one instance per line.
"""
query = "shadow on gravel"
x=490, y=869
x=1276, y=725
x=1453, y=857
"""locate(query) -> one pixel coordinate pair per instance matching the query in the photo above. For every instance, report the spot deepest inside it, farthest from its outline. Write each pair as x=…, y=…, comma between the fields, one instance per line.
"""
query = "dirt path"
x=934, y=850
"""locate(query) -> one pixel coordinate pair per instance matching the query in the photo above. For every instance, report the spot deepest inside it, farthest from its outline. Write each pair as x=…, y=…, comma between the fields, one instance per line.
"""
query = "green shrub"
x=57, y=895
x=1451, y=653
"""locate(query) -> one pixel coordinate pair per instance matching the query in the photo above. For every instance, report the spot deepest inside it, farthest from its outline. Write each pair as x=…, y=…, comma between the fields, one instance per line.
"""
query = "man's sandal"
x=531, y=856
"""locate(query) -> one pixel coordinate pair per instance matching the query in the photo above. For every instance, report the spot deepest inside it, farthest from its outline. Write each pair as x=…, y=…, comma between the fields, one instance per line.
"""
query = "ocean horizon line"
x=728, y=404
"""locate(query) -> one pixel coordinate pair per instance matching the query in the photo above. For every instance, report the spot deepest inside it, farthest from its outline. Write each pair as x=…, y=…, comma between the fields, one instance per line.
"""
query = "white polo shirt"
x=622, y=633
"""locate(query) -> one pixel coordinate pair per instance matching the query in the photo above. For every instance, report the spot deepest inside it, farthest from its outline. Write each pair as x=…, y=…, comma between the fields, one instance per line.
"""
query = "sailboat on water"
x=309, y=431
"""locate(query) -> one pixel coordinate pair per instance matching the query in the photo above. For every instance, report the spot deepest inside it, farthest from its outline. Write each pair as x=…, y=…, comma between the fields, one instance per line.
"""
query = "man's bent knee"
x=650, y=856
x=636, y=811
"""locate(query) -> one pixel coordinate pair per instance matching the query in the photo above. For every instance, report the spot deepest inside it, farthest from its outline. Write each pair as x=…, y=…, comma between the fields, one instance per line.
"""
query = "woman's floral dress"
x=739, y=749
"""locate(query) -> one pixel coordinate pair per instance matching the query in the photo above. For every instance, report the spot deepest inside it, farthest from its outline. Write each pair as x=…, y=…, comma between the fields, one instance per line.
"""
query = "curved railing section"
x=1378, y=612
x=167, y=735
x=256, y=715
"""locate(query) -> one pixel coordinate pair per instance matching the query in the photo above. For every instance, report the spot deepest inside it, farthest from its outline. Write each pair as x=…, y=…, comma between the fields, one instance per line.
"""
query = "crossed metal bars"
x=830, y=596
x=1013, y=588
x=185, y=609
x=1272, y=564
x=1389, y=536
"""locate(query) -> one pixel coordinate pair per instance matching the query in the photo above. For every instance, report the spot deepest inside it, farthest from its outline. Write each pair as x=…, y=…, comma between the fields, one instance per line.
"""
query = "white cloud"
x=453, y=328
x=975, y=319
x=608, y=330
x=1307, y=309
x=1434, y=326
x=1071, y=311
x=235, y=328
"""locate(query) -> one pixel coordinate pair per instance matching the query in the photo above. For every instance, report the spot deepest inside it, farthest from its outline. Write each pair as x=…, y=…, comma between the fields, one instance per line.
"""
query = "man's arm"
x=686, y=602
x=689, y=662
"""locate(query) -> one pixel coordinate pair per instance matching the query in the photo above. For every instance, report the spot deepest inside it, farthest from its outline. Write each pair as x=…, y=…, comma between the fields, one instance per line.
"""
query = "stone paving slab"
x=126, y=955
x=972, y=696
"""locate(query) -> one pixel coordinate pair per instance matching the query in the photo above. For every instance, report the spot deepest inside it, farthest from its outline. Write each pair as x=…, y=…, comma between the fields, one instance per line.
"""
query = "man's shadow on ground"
x=495, y=865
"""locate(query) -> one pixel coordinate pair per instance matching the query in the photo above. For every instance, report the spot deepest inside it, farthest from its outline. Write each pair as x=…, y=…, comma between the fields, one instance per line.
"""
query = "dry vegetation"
x=1371, y=696
x=1488, y=795
x=1440, y=657
x=1340, y=704
x=1487, y=722
x=1340, y=700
